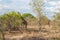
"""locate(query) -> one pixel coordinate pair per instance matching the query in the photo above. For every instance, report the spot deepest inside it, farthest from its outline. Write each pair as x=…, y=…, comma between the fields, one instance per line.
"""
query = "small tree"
x=29, y=18
x=11, y=20
x=57, y=19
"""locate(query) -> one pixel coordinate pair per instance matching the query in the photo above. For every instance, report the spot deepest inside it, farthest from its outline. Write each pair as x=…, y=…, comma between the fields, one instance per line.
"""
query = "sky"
x=51, y=6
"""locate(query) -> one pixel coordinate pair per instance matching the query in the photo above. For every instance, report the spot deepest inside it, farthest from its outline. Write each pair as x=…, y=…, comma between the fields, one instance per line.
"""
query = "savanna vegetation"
x=37, y=26
x=14, y=21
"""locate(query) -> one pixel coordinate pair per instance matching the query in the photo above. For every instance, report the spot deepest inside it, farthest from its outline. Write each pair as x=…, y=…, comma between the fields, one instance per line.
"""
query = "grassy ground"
x=45, y=32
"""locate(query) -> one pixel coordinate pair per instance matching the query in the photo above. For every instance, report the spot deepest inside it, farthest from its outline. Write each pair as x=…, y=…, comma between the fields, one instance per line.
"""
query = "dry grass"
x=45, y=32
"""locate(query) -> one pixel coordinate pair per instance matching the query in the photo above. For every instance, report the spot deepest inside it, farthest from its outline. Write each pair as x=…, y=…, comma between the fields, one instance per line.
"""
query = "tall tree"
x=37, y=6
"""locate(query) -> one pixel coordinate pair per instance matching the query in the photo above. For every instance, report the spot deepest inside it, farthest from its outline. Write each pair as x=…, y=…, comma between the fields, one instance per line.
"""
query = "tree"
x=44, y=20
x=3, y=22
x=57, y=19
x=11, y=20
x=37, y=6
x=14, y=20
x=28, y=16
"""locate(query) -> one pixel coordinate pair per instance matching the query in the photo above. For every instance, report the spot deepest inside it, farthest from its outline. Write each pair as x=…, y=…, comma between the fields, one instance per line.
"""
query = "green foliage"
x=14, y=20
x=10, y=20
x=28, y=16
x=57, y=19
